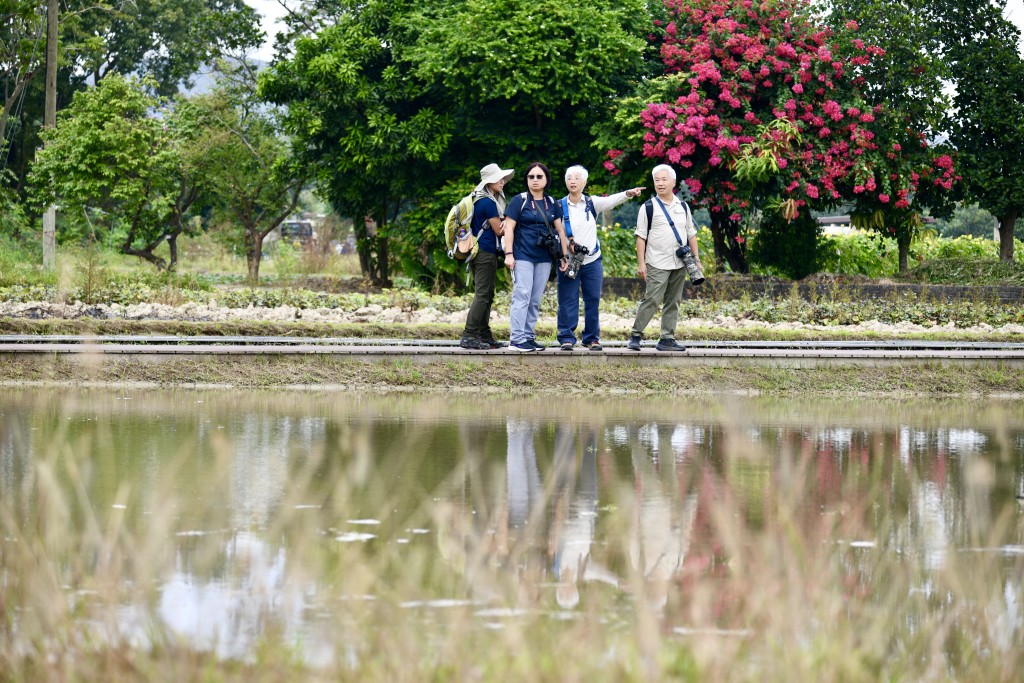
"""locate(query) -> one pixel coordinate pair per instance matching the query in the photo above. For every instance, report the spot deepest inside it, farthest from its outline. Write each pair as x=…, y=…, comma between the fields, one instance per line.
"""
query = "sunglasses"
x=535, y=177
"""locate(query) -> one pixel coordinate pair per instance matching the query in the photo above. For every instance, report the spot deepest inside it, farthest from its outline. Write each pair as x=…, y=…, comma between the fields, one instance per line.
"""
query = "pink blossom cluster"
x=749, y=62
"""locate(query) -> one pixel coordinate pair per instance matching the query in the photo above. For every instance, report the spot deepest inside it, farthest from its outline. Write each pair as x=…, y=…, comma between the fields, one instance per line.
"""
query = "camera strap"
x=671, y=224
x=543, y=213
x=588, y=206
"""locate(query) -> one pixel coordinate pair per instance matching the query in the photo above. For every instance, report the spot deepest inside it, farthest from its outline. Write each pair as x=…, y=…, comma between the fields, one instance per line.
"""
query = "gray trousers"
x=662, y=286
x=530, y=281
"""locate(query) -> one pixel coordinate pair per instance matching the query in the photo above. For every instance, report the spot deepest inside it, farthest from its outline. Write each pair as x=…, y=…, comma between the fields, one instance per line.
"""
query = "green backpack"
x=458, y=230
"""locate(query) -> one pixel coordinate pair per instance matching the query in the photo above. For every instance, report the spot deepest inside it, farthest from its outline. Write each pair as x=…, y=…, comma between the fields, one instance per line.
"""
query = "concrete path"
x=721, y=354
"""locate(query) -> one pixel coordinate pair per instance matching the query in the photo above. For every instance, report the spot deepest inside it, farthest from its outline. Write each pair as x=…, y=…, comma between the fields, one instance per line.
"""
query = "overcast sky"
x=272, y=11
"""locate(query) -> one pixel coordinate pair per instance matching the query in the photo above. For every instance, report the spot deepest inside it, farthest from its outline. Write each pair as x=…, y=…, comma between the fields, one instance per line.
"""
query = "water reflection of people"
x=575, y=515
x=525, y=490
x=662, y=523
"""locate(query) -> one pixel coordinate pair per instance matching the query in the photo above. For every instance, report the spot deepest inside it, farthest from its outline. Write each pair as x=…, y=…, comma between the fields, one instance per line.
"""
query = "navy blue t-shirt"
x=484, y=209
x=530, y=226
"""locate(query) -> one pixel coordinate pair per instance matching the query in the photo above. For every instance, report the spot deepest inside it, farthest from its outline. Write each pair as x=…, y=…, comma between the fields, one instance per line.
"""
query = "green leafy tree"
x=369, y=132
x=110, y=154
x=166, y=40
x=909, y=75
x=968, y=219
x=986, y=121
x=764, y=108
x=250, y=170
x=169, y=41
x=22, y=54
x=392, y=101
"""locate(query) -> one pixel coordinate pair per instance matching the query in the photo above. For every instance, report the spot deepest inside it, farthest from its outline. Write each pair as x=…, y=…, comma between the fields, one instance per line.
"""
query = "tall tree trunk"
x=1006, y=225
x=172, y=245
x=903, y=248
x=363, y=247
x=253, y=253
x=728, y=249
x=383, y=274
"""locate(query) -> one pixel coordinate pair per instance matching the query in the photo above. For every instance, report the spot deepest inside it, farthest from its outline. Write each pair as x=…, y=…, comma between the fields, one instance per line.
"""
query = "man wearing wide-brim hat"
x=488, y=211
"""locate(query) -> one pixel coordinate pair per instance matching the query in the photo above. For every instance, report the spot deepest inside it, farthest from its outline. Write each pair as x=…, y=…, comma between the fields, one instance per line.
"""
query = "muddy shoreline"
x=507, y=375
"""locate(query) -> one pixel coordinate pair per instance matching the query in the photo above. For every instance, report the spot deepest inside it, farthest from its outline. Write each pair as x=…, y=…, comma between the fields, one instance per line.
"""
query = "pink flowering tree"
x=768, y=117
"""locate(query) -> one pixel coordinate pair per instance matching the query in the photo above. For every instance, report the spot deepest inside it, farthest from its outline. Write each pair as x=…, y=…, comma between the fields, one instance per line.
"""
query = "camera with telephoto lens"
x=576, y=260
x=551, y=244
x=692, y=267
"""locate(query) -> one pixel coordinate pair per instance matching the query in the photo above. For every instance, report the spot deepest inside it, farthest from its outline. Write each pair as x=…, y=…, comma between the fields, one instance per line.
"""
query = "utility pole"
x=49, y=121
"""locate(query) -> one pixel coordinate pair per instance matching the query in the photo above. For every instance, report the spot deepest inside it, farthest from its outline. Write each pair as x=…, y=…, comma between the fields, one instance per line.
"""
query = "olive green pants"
x=478, y=321
x=663, y=286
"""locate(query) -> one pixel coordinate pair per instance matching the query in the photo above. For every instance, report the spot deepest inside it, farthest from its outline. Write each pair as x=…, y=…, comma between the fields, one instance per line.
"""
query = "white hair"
x=664, y=167
x=576, y=169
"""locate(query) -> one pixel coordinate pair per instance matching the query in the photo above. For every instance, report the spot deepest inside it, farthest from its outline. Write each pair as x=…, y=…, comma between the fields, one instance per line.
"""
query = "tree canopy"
x=768, y=111
x=110, y=161
x=986, y=121
x=388, y=101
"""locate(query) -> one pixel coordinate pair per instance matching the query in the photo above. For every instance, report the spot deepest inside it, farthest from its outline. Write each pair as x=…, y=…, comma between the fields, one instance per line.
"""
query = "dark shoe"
x=493, y=343
x=670, y=345
x=634, y=342
x=526, y=346
x=473, y=344
x=536, y=345
x=595, y=346
x=567, y=346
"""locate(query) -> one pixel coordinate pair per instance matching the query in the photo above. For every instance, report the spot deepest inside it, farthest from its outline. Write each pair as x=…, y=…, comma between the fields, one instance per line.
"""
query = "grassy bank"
x=501, y=374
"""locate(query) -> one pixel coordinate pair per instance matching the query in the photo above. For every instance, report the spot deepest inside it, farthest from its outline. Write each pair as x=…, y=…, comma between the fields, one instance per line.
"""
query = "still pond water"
x=222, y=519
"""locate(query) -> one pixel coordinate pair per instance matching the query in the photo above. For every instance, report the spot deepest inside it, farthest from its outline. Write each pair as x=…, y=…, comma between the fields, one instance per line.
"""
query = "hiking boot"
x=669, y=345
x=634, y=342
x=473, y=344
x=493, y=343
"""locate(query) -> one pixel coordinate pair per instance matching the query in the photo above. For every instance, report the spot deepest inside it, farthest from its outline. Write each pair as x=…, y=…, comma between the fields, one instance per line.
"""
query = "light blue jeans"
x=531, y=278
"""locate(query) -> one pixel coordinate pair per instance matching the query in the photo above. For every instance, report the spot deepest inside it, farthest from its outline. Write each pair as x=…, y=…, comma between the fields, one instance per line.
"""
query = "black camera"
x=551, y=243
x=692, y=267
x=576, y=260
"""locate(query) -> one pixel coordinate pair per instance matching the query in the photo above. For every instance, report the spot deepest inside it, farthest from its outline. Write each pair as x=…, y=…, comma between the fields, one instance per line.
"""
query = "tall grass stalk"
x=773, y=587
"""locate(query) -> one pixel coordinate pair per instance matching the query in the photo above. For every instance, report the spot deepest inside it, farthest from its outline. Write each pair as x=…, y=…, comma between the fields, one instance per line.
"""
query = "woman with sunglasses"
x=533, y=237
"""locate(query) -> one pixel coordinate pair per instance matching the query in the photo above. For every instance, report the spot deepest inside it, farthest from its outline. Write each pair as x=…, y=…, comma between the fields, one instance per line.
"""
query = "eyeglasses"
x=535, y=177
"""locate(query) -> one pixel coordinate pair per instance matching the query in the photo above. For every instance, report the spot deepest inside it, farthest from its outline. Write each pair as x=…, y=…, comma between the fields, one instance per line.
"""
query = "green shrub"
x=21, y=262
x=790, y=247
x=286, y=257
x=417, y=245
x=965, y=246
x=858, y=253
